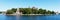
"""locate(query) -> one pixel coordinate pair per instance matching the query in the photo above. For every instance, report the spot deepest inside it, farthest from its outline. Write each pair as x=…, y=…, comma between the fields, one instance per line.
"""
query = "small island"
x=30, y=11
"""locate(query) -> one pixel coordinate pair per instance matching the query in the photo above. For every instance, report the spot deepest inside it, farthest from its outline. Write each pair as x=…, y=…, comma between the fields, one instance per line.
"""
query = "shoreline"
x=30, y=14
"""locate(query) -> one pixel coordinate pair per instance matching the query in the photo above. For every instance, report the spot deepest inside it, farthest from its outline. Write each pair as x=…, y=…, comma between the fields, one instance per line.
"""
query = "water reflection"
x=10, y=17
x=2, y=17
x=52, y=17
x=26, y=17
x=34, y=17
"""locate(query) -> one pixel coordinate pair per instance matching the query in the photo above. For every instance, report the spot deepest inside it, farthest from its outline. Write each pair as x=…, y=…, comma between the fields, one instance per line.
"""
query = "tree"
x=48, y=12
x=40, y=11
x=0, y=12
x=30, y=11
x=53, y=12
x=13, y=9
x=44, y=11
x=34, y=10
x=27, y=11
x=9, y=12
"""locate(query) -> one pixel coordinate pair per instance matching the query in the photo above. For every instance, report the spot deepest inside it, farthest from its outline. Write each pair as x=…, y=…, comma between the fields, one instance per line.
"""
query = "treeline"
x=32, y=10
x=0, y=12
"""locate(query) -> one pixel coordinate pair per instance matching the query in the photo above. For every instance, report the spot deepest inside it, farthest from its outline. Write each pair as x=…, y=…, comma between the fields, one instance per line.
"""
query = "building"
x=18, y=12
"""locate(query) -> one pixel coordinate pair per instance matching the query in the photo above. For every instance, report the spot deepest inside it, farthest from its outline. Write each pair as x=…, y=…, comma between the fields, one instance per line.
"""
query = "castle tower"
x=18, y=12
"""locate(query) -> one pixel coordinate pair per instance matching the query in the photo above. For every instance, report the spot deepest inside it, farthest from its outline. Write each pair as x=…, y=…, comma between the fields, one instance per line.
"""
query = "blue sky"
x=45, y=4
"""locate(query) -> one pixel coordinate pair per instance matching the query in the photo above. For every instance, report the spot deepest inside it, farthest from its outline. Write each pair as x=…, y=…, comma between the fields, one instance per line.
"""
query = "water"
x=50, y=17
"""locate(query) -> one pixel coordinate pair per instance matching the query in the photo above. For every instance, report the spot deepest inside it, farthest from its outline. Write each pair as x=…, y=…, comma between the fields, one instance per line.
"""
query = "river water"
x=37, y=17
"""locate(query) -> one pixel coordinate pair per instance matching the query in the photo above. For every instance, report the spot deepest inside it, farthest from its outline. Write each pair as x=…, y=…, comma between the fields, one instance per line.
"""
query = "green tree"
x=40, y=11
x=48, y=12
x=53, y=12
x=30, y=11
x=9, y=12
x=0, y=12
x=13, y=9
x=44, y=11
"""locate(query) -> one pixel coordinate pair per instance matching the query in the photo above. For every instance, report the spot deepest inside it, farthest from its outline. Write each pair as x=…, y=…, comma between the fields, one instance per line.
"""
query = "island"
x=30, y=11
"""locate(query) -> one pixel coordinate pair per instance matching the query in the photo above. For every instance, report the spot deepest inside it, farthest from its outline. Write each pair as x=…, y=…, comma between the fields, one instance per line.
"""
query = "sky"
x=53, y=5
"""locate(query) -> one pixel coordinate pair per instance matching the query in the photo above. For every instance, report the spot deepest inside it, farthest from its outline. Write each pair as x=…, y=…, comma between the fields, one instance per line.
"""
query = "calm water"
x=52, y=17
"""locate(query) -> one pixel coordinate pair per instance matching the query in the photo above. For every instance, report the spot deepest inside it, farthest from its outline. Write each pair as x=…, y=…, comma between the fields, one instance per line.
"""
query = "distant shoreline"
x=30, y=14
